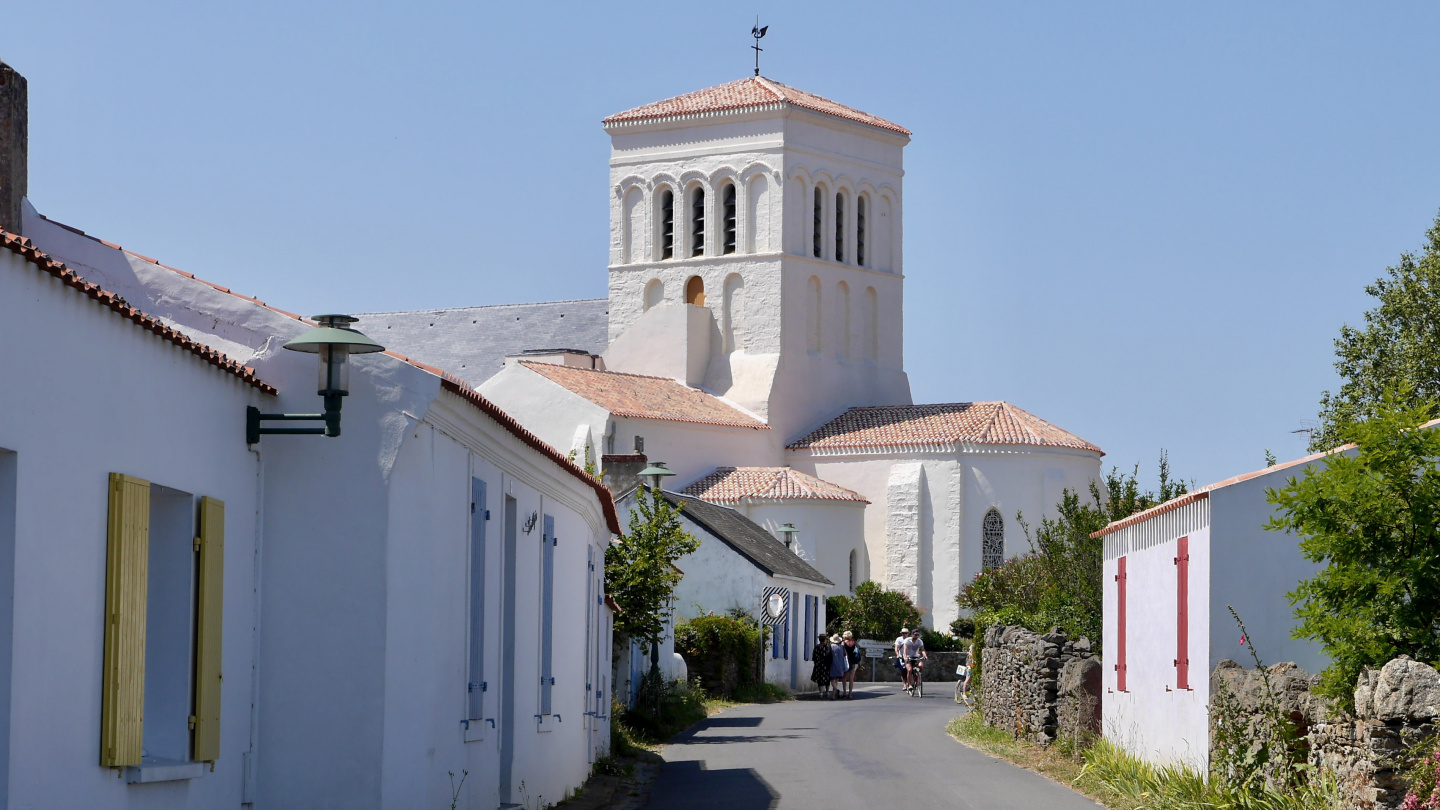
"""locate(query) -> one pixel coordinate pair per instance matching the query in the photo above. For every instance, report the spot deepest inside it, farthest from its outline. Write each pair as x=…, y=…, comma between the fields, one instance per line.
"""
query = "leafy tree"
x=1373, y=519
x=640, y=570
x=1397, y=349
x=872, y=612
x=1060, y=583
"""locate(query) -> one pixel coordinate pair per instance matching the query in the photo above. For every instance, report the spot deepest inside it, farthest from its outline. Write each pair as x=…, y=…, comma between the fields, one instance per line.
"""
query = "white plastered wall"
x=829, y=531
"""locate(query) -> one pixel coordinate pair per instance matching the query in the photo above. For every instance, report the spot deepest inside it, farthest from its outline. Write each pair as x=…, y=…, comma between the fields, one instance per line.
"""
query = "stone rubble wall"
x=1030, y=683
x=1396, y=710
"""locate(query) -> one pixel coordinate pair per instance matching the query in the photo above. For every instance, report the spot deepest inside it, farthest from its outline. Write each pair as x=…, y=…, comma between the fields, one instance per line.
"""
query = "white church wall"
x=693, y=450
x=668, y=340
x=829, y=532
x=168, y=417
x=549, y=410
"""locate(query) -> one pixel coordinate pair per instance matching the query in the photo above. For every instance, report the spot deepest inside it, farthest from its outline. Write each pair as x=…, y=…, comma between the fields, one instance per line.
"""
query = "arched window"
x=697, y=222
x=634, y=225
x=819, y=219
x=695, y=291
x=727, y=198
x=654, y=293
x=757, y=215
x=854, y=558
x=860, y=230
x=667, y=225
x=992, y=540
x=813, y=301
x=839, y=227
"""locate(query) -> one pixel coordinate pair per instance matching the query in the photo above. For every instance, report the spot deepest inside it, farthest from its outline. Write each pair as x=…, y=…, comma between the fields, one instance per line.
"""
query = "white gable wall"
x=87, y=393
x=829, y=531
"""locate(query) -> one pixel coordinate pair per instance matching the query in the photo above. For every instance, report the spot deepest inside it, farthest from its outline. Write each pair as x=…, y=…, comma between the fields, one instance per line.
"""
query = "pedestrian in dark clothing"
x=823, y=658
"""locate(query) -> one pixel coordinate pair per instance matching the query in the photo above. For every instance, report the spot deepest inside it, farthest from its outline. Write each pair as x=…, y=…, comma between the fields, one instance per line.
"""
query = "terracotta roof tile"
x=24, y=247
x=732, y=484
x=972, y=422
x=642, y=397
x=753, y=92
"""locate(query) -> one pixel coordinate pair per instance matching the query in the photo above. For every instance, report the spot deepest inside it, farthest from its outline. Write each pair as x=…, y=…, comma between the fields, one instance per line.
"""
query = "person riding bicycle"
x=910, y=648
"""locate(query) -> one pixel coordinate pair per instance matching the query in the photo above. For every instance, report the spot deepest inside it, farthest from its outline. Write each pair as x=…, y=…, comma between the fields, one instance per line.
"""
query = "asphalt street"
x=882, y=749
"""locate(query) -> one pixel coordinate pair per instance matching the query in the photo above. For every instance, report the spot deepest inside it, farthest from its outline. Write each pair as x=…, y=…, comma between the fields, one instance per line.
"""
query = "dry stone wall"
x=1396, y=710
x=1032, y=684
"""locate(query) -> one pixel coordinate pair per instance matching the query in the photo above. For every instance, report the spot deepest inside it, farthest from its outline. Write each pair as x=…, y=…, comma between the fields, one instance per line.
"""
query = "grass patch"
x=1117, y=780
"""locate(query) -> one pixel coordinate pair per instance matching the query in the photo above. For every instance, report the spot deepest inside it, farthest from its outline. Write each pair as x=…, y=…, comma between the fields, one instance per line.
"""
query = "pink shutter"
x=1120, y=629
x=1182, y=614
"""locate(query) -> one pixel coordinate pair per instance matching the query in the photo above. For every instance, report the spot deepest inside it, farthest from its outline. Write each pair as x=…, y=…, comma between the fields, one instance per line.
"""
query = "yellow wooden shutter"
x=207, y=654
x=122, y=701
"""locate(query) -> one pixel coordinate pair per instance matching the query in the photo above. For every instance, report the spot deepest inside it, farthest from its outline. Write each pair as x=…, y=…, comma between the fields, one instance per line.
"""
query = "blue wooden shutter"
x=475, y=686
x=547, y=617
x=809, y=628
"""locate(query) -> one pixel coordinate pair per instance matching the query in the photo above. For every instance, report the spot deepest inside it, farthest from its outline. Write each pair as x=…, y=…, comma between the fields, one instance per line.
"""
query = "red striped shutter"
x=1120, y=628
x=1182, y=614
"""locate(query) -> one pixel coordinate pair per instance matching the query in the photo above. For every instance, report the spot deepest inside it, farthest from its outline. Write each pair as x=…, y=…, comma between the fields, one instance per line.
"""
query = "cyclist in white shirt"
x=909, y=650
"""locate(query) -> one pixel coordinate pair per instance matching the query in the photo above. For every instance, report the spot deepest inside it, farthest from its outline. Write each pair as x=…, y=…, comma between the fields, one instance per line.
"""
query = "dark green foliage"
x=1059, y=583
x=663, y=709
x=872, y=613
x=721, y=651
x=963, y=627
x=640, y=569
x=942, y=642
x=1398, y=349
x=1373, y=520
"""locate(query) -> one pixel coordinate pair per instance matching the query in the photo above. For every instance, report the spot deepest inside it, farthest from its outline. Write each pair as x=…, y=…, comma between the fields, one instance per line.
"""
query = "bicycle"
x=961, y=696
x=918, y=668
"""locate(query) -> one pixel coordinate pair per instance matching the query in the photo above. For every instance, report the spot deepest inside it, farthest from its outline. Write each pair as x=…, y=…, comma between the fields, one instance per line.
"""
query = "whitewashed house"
x=128, y=536
x=1171, y=573
x=738, y=566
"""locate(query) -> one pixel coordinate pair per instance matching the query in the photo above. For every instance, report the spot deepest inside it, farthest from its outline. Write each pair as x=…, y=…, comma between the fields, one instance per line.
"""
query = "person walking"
x=823, y=658
x=852, y=657
x=839, y=664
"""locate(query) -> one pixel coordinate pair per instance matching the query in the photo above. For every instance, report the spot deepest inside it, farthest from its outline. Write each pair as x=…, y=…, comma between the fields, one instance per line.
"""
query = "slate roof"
x=909, y=425
x=747, y=538
x=752, y=92
x=767, y=483
x=473, y=342
x=43, y=262
x=636, y=395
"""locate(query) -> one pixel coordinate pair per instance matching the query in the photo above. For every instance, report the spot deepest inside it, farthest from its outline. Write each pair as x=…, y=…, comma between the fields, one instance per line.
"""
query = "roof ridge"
x=614, y=373
x=480, y=306
x=765, y=83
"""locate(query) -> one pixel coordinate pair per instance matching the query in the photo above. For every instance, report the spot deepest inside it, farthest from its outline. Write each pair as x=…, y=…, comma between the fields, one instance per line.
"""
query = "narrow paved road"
x=882, y=749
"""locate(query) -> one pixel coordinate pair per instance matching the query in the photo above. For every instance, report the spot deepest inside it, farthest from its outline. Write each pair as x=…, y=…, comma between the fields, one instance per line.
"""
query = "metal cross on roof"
x=757, y=32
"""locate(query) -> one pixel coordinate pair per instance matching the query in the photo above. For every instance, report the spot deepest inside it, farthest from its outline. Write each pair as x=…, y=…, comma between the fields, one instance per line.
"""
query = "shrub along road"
x=881, y=749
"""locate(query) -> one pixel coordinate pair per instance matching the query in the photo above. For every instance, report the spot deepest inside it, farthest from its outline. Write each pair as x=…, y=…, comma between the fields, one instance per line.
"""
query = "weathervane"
x=757, y=32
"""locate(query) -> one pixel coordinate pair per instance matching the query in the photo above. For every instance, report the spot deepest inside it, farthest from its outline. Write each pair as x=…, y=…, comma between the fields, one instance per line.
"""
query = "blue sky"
x=1141, y=221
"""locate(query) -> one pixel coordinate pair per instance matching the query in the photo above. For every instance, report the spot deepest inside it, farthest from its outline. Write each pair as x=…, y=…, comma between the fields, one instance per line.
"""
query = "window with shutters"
x=727, y=223
x=854, y=555
x=697, y=221
x=992, y=540
x=476, y=686
x=809, y=629
x=548, y=543
x=160, y=702
x=1121, y=605
x=819, y=230
x=839, y=226
x=667, y=224
x=1182, y=614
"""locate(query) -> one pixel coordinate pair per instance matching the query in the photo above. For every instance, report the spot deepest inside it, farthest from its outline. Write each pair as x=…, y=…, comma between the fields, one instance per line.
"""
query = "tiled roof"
x=908, y=425
x=730, y=484
x=447, y=381
x=747, y=537
x=638, y=396
x=753, y=92
x=22, y=246
x=473, y=342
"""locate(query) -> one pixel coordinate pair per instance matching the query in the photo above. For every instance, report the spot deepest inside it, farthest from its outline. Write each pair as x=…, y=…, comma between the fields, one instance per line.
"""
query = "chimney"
x=621, y=472
x=14, y=146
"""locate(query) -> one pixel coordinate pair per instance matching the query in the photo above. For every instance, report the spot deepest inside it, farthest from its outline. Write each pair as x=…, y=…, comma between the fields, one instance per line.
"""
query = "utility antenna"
x=757, y=32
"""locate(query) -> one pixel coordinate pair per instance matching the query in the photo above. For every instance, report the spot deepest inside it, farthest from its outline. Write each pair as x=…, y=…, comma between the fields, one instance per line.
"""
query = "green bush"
x=872, y=612
x=942, y=642
x=721, y=651
x=663, y=709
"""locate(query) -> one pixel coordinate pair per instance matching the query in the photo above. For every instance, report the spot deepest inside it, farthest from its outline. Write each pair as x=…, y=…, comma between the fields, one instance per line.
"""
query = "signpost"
x=873, y=650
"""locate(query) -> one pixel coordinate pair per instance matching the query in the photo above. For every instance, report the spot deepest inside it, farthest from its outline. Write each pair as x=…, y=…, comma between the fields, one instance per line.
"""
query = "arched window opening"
x=697, y=222
x=757, y=215
x=854, y=558
x=860, y=231
x=654, y=293
x=695, y=291
x=813, y=296
x=992, y=540
x=819, y=219
x=667, y=225
x=727, y=197
x=839, y=227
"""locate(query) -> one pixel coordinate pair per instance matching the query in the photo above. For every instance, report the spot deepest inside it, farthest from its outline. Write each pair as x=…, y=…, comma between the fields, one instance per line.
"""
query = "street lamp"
x=334, y=341
x=655, y=472
x=789, y=530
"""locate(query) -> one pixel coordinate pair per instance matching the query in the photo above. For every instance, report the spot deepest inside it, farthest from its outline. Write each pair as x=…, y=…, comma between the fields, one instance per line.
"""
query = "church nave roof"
x=968, y=422
x=752, y=92
x=638, y=396
x=733, y=484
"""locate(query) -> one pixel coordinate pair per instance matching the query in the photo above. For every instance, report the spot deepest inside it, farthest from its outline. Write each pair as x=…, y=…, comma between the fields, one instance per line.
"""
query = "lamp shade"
x=334, y=341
